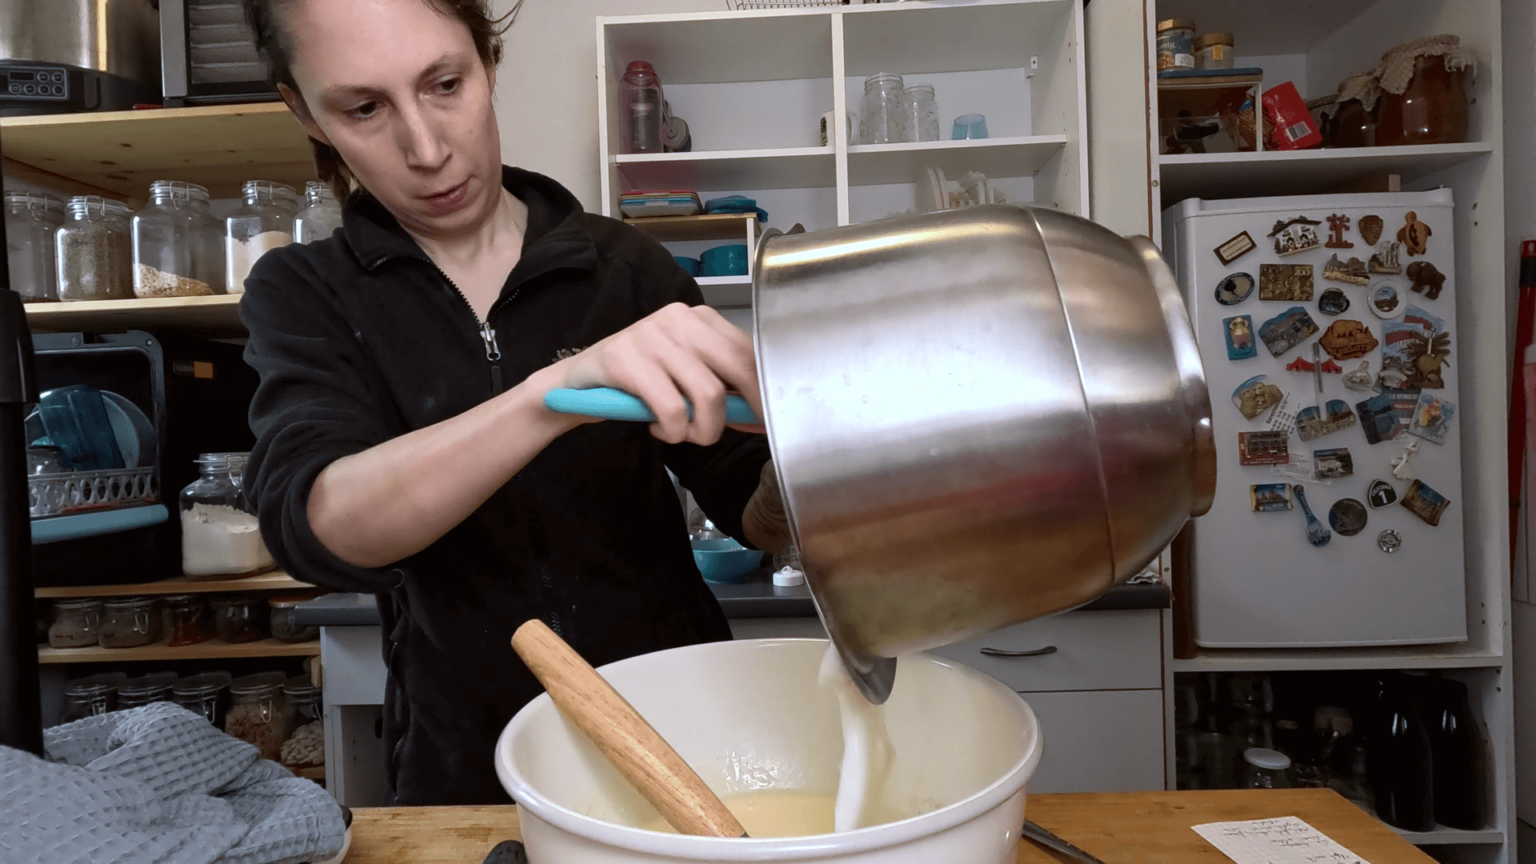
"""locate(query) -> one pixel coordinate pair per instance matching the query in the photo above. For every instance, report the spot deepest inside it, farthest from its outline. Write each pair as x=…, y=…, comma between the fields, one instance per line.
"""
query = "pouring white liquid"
x=867, y=751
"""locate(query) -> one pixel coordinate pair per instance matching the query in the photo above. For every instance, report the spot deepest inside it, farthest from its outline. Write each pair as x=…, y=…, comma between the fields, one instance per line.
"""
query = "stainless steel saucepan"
x=978, y=418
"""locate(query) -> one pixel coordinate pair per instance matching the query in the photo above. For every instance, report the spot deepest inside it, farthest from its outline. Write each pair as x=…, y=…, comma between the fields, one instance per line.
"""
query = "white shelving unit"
x=754, y=85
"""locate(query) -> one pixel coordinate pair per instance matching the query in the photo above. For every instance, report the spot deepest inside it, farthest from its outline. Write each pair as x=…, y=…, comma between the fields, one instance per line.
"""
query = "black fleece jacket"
x=360, y=338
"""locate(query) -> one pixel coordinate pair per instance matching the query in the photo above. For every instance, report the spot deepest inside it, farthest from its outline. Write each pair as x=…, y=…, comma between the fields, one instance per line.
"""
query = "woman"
x=403, y=446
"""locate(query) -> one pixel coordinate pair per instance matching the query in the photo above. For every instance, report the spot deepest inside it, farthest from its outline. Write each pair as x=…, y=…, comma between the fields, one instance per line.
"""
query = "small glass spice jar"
x=284, y=608
x=75, y=623
x=145, y=690
x=1175, y=44
x=220, y=536
x=255, y=712
x=1214, y=51
x=128, y=622
x=94, y=250
x=205, y=693
x=185, y=620
x=321, y=215
x=32, y=220
x=178, y=247
x=264, y=222
x=237, y=618
x=91, y=695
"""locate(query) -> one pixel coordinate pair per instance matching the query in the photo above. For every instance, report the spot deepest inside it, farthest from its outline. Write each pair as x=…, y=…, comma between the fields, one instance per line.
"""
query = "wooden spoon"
x=630, y=744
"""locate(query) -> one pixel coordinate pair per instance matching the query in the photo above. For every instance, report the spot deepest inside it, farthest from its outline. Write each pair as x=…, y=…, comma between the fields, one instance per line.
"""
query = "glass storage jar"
x=1175, y=44
x=1265, y=769
x=263, y=222
x=185, y=620
x=145, y=690
x=1214, y=51
x=880, y=119
x=174, y=239
x=32, y=220
x=220, y=536
x=640, y=109
x=920, y=113
x=255, y=714
x=91, y=695
x=94, y=250
x=205, y=693
x=237, y=618
x=284, y=627
x=75, y=623
x=303, y=723
x=321, y=215
x=1432, y=110
x=128, y=622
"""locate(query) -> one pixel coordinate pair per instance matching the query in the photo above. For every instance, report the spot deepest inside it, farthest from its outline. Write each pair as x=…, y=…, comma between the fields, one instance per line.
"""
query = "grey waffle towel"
x=158, y=784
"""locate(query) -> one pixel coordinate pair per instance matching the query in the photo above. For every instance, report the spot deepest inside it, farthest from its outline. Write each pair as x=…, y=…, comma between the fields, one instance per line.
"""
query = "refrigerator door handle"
x=1038, y=652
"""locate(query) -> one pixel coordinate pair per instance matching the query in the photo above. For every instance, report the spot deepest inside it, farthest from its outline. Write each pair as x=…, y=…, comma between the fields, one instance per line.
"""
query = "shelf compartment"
x=882, y=164
x=123, y=151
x=276, y=581
x=1302, y=172
x=1305, y=659
x=999, y=35
x=217, y=316
x=213, y=649
x=730, y=170
x=726, y=290
x=708, y=226
x=724, y=47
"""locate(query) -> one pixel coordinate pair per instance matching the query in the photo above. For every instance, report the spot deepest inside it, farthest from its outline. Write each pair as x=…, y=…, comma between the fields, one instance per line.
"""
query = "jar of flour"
x=220, y=537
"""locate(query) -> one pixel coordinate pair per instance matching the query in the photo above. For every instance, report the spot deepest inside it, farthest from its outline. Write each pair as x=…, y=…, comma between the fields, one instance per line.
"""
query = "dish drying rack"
x=68, y=492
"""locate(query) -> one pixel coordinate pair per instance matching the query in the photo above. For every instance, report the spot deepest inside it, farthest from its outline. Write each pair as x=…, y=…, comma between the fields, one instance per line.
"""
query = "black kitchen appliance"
x=35, y=87
x=208, y=55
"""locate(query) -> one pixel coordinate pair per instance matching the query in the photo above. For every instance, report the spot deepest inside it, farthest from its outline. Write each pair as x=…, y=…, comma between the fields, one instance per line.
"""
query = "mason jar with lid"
x=321, y=215
x=184, y=618
x=255, y=714
x=32, y=220
x=128, y=622
x=285, y=627
x=920, y=113
x=75, y=623
x=303, y=723
x=178, y=247
x=204, y=693
x=264, y=222
x=880, y=120
x=145, y=690
x=220, y=536
x=237, y=618
x=91, y=695
x=94, y=250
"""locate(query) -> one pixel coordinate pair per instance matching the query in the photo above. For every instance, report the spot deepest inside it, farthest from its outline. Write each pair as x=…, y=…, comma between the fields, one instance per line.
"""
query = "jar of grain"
x=264, y=222
x=94, y=250
x=255, y=714
x=321, y=215
x=284, y=611
x=145, y=690
x=303, y=723
x=220, y=536
x=75, y=623
x=206, y=693
x=177, y=244
x=185, y=620
x=128, y=622
x=91, y=695
x=32, y=221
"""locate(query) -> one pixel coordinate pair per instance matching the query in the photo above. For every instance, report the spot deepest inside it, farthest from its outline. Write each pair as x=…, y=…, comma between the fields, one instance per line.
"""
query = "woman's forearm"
x=393, y=500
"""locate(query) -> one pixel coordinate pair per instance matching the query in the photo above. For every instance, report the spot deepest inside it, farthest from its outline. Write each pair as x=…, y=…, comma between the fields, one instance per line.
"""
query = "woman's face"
x=398, y=89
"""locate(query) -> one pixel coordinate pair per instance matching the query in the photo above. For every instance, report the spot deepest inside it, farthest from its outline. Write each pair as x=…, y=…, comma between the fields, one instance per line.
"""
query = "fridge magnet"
x=1338, y=223
x=1239, y=332
x=1295, y=235
x=1391, y=379
x=1234, y=289
x=1282, y=418
x=1333, y=301
x=1352, y=272
x=1389, y=541
x=1298, y=468
x=1418, y=347
x=1385, y=300
x=1317, y=535
x=1402, y=464
x=1425, y=503
x=1427, y=279
x=1432, y=418
x=1302, y=364
x=1254, y=396
x=1404, y=403
x=1414, y=235
x=1348, y=517
x=1384, y=260
x=1370, y=228
x=1347, y=339
x=1267, y=447
x=1333, y=464
x=1360, y=379
x=1289, y=282
x=1270, y=497
x=1313, y=423
x=1235, y=248
x=1378, y=418
x=1287, y=330
x=1381, y=494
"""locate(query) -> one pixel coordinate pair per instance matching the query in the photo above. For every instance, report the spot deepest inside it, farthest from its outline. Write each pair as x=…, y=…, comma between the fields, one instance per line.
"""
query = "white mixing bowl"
x=750, y=716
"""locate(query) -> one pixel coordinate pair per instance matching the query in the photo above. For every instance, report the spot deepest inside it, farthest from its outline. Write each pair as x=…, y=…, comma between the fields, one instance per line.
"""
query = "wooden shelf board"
x=1300, y=659
x=315, y=773
x=213, y=649
x=123, y=151
x=882, y=164
x=707, y=226
x=217, y=316
x=1302, y=172
x=730, y=170
x=177, y=585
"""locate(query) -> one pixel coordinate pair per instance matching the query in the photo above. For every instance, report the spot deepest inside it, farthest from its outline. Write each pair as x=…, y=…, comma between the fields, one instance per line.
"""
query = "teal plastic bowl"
x=725, y=561
x=689, y=264
x=733, y=252
x=724, y=267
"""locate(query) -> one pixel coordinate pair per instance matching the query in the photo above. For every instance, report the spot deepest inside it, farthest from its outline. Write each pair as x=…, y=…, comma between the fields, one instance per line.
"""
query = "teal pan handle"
x=611, y=404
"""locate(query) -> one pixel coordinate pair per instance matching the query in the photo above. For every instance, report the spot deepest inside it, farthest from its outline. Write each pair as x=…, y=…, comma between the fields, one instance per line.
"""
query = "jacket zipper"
x=487, y=332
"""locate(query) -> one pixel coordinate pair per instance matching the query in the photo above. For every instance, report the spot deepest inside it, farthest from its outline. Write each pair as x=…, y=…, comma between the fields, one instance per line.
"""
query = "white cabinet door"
x=1107, y=741
x=1119, y=650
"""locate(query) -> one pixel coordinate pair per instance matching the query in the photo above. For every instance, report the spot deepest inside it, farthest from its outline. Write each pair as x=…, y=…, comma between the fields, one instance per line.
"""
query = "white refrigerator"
x=1289, y=296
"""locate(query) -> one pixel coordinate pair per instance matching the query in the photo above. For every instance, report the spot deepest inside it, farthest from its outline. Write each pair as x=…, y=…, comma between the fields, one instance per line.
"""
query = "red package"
x=1294, y=127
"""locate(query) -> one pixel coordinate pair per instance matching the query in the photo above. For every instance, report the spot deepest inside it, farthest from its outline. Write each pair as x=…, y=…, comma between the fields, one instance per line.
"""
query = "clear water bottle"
x=321, y=215
x=640, y=109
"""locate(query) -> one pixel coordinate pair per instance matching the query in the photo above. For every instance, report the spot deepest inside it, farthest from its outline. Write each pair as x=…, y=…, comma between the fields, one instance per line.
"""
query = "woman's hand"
x=677, y=355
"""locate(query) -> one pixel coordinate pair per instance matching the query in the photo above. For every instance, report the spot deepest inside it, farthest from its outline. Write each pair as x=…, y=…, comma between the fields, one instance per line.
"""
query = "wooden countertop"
x=1119, y=828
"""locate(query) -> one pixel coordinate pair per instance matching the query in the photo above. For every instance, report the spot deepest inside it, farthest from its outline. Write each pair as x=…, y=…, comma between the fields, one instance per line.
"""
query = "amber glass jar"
x=1433, y=110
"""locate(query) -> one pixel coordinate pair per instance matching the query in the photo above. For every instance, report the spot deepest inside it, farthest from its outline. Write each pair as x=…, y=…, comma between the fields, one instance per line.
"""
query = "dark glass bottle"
x=1402, y=769
x=1457, y=751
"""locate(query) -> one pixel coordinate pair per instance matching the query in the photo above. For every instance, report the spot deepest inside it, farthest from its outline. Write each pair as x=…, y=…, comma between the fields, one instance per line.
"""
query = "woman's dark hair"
x=272, y=42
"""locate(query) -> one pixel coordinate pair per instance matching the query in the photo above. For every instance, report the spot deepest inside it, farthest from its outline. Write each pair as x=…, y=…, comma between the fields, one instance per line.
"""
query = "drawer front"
x=352, y=665
x=1107, y=741
x=1092, y=651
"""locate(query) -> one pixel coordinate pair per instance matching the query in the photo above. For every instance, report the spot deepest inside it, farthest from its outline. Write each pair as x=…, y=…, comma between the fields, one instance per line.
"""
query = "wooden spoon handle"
x=624, y=738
